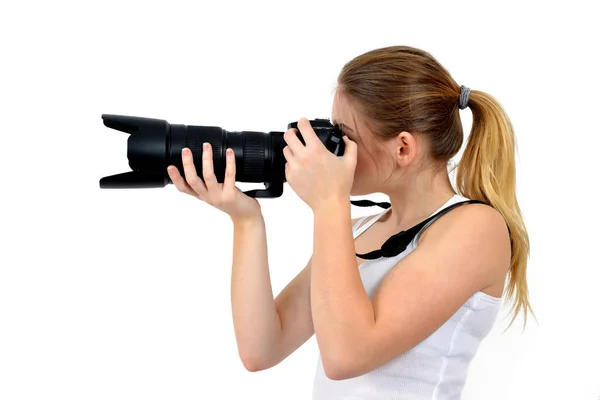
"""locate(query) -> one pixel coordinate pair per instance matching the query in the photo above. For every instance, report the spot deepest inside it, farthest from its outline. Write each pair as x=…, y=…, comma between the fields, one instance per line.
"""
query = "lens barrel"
x=154, y=144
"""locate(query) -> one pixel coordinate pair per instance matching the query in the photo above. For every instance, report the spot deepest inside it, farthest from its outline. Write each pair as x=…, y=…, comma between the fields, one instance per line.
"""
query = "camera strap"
x=397, y=243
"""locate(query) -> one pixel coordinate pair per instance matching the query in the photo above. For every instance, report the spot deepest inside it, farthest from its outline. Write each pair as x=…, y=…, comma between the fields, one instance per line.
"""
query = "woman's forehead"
x=341, y=113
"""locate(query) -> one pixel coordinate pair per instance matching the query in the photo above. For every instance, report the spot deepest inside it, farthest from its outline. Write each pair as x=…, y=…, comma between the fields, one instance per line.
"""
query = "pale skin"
x=465, y=251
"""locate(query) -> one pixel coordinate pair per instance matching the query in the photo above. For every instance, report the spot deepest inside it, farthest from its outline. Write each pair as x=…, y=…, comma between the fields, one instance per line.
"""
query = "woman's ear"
x=405, y=148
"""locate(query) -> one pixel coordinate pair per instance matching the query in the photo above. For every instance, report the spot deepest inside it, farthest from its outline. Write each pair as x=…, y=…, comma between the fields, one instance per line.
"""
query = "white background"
x=124, y=294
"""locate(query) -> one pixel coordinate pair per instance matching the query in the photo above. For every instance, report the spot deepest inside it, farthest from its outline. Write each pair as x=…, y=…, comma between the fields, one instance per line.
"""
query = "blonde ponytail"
x=486, y=172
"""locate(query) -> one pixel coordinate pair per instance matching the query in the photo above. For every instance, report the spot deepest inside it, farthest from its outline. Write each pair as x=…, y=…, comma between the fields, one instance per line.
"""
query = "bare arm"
x=255, y=320
x=267, y=330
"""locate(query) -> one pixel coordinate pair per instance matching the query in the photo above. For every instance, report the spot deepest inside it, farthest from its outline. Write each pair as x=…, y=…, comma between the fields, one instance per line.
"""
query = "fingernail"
x=205, y=146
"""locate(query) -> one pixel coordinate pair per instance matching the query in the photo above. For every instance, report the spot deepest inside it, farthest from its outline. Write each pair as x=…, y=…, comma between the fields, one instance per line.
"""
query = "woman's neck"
x=411, y=205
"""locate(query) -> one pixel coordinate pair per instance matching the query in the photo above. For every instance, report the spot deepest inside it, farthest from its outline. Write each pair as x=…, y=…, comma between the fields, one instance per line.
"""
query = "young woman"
x=401, y=324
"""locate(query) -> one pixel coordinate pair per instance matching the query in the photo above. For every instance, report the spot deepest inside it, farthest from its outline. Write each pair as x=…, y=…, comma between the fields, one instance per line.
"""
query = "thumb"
x=350, y=149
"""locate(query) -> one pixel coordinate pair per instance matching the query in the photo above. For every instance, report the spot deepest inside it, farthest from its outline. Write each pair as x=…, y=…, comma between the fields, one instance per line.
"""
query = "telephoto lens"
x=154, y=144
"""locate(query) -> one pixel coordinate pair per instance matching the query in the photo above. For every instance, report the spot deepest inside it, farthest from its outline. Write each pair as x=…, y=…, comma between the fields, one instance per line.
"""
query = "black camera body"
x=154, y=144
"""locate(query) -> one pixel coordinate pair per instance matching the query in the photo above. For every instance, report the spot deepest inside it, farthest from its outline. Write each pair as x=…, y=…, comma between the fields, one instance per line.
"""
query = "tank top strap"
x=368, y=203
x=357, y=223
x=360, y=229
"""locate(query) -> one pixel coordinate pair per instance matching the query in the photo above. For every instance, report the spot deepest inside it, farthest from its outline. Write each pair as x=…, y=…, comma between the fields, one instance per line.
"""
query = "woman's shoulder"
x=466, y=218
x=484, y=224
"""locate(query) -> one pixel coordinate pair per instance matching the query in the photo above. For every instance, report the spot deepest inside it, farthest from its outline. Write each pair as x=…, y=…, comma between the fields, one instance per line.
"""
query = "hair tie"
x=463, y=101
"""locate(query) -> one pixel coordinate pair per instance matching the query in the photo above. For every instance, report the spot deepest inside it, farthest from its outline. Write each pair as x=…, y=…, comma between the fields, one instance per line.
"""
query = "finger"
x=190, y=172
x=179, y=182
x=308, y=134
x=229, y=181
x=210, y=180
x=289, y=155
x=292, y=140
x=286, y=173
x=350, y=149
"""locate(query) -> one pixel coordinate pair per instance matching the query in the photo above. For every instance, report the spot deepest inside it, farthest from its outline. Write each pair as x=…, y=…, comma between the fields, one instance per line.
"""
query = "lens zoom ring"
x=195, y=142
x=254, y=158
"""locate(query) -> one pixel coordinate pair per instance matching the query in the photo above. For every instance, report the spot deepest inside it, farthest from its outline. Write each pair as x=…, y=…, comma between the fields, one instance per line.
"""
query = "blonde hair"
x=402, y=88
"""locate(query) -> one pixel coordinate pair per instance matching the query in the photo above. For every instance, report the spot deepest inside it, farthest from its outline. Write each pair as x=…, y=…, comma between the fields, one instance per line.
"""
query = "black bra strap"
x=397, y=243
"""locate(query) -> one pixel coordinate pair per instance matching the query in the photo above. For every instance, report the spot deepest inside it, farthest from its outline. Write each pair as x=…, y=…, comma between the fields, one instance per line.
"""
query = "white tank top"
x=436, y=368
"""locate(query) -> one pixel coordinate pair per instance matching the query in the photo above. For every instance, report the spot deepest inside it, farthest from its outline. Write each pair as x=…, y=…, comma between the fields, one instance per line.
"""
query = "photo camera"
x=154, y=144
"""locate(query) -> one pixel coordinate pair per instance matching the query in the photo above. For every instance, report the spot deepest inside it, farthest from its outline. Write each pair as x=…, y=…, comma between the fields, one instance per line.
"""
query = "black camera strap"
x=397, y=243
x=369, y=203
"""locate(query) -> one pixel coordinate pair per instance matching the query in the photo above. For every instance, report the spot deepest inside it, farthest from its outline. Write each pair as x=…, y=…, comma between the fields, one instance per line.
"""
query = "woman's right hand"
x=224, y=196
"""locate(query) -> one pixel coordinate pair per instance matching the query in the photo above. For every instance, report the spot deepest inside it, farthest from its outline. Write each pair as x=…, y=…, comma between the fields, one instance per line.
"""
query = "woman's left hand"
x=315, y=173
